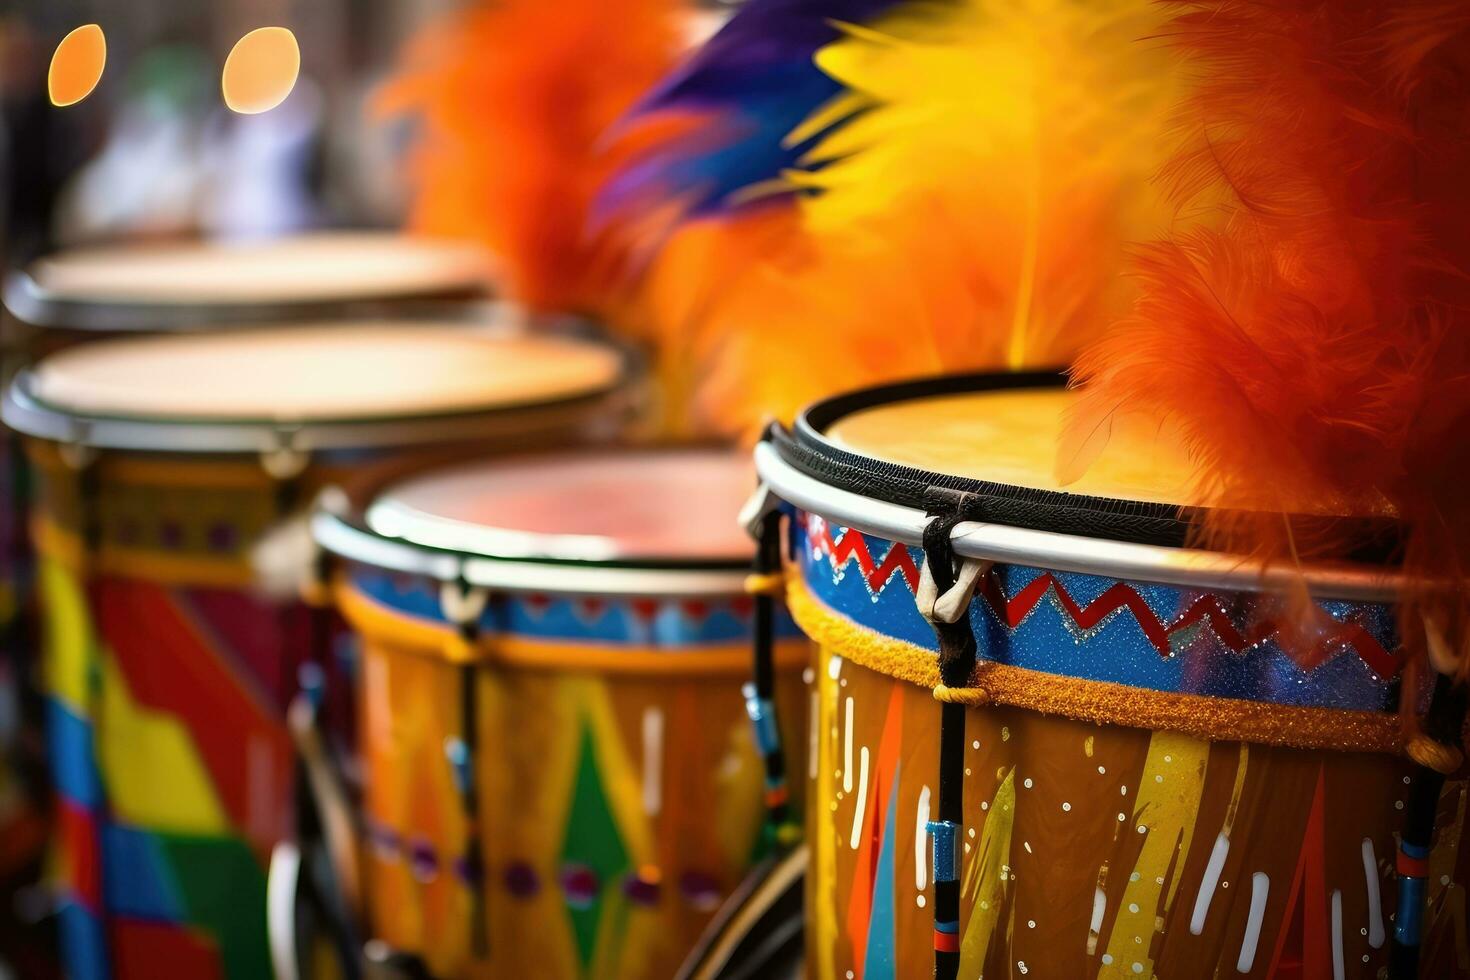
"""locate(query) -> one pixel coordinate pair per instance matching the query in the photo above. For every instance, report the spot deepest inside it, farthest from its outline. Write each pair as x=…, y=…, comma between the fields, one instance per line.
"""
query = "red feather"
x=1308, y=326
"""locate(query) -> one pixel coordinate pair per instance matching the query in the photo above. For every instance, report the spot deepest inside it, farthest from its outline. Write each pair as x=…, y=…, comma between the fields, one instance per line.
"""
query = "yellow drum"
x=162, y=462
x=561, y=778
x=1133, y=776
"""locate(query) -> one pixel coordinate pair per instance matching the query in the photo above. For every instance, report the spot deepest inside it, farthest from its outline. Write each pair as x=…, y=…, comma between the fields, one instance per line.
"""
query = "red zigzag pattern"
x=1205, y=610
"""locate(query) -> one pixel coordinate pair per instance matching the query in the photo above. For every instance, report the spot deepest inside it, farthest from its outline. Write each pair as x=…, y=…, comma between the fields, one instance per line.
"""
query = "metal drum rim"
x=345, y=537
x=1009, y=544
x=27, y=413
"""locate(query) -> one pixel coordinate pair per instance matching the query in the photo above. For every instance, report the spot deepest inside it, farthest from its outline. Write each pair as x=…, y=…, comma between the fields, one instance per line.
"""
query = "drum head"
x=674, y=507
x=997, y=436
x=182, y=285
x=200, y=392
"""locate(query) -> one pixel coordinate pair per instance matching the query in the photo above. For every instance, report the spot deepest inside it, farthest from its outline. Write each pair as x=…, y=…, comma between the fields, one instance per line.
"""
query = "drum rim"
x=810, y=451
x=31, y=415
x=348, y=538
x=344, y=530
x=33, y=305
x=1012, y=545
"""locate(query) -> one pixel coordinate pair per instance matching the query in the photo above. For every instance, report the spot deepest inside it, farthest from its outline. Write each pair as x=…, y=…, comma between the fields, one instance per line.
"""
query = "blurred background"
x=154, y=152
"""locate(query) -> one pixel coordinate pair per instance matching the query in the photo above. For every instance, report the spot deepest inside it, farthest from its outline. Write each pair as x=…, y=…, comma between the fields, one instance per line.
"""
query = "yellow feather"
x=1041, y=122
x=973, y=211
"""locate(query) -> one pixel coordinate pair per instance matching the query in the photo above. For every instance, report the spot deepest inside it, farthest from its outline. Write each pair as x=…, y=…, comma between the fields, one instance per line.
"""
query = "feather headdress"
x=956, y=192
x=512, y=98
x=1314, y=347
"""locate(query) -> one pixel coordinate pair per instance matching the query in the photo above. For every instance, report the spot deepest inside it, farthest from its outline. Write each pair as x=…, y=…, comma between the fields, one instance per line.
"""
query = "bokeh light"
x=261, y=70
x=77, y=65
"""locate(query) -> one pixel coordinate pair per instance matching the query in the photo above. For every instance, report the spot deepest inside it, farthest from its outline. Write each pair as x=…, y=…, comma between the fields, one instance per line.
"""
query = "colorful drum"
x=561, y=779
x=86, y=294
x=162, y=462
x=1147, y=783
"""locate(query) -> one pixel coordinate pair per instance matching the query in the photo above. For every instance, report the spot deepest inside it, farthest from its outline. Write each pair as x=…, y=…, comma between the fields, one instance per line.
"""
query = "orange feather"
x=512, y=98
x=1313, y=347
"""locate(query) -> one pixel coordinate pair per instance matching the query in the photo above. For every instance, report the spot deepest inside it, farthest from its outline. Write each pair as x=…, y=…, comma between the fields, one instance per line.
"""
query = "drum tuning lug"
x=761, y=503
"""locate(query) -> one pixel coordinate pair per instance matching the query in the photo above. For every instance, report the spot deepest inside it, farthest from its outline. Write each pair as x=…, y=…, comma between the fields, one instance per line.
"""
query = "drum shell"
x=619, y=790
x=1096, y=841
x=167, y=671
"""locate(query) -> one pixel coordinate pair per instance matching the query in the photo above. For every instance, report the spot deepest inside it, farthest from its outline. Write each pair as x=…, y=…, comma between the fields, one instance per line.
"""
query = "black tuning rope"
x=1436, y=753
x=764, y=584
x=463, y=753
x=957, y=657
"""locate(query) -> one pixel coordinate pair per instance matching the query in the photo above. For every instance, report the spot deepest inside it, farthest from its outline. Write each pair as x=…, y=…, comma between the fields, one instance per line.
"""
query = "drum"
x=89, y=293
x=186, y=286
x=1133, y=777
x=560, y=775
x=162, y=464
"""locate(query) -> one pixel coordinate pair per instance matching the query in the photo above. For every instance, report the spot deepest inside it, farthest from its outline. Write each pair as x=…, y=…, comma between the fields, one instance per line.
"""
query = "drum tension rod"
x=948, y=593
x=463, y=605
x=761, y=518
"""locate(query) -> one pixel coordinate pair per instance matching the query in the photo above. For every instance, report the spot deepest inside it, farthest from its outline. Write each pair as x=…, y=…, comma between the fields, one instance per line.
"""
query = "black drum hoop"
x=807, y=449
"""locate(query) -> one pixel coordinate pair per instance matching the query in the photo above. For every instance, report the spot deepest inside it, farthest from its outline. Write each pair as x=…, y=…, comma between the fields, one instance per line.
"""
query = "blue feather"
x=755, y=81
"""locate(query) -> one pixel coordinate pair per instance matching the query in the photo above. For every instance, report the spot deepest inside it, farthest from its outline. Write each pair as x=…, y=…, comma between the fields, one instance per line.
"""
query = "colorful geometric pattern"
x=1104, y=851
x=636, y=621
x=1149, y=636
x=616, y=808
x=173, y=774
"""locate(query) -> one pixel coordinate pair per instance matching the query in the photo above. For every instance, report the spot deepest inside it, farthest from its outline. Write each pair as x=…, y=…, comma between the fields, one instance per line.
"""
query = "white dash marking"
x=1339, y=969
x=1208, y=885
x=862, y=800
x=1375, y=902
x=1094, y=928
x=921, y=841
x=847, y=751
x=1260, y=887
x=653, y=760
x=814, y=728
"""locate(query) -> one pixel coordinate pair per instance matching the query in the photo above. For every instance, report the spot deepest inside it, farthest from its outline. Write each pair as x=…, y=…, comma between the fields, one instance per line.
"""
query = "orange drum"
x=163, y=462
x=1133, y=776
x=560, y=775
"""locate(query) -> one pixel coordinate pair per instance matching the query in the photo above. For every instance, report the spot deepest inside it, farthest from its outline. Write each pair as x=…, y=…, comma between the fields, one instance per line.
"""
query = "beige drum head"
x=328, y=267
x=318, y=373
x=1010, y=436
x=673, y=506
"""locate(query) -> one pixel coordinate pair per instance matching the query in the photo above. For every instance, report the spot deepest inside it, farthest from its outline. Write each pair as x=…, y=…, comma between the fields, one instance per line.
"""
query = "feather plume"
x=740, y=96
x=512, y=97
x=1313, y=347
x=959, y=199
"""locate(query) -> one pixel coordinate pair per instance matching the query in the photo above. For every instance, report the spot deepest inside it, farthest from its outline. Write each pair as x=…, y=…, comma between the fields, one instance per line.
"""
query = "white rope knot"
x=762, y=502
x=949, y=607
x=462, y=606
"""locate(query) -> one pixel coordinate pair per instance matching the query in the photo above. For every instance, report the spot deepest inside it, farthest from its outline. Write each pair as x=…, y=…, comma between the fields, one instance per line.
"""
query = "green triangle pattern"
x=592, y=842
x=223, y=889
